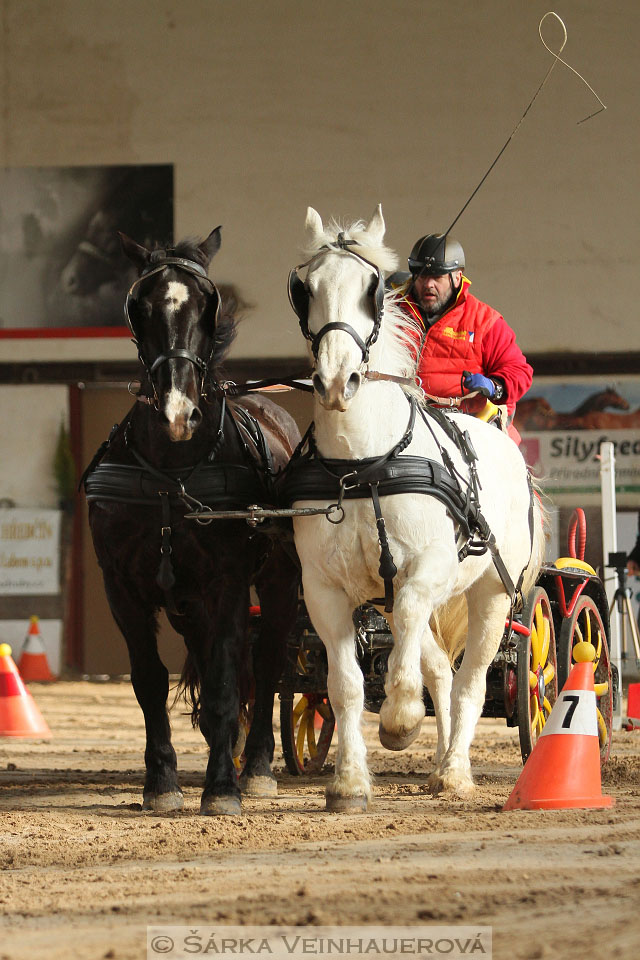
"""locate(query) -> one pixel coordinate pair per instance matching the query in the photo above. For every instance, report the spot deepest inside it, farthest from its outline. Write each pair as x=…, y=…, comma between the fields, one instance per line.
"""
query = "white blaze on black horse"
x=181, y=444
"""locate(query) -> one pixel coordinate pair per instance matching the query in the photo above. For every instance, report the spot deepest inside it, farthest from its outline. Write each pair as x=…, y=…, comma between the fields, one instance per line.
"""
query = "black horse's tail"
x=188, y=688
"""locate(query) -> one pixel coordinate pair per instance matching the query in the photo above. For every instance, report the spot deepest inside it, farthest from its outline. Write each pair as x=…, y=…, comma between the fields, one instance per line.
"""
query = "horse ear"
x=376, y=226
x=313, y=224
x=211, y=245
x=136, y=253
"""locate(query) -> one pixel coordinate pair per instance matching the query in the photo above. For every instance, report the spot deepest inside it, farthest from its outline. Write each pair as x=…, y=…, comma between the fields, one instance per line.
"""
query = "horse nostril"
x=196, y=416
x=318, y=385
x=353, y=383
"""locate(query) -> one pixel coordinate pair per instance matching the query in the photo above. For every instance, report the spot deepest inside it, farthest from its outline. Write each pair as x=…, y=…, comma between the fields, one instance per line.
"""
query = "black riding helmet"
x=435, y=254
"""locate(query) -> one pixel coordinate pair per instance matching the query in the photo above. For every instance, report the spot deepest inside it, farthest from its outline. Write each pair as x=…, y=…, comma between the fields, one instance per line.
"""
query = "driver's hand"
x=476, y=381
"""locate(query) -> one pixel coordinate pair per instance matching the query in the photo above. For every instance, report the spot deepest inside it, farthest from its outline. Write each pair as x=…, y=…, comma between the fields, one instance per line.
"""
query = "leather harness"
x=309, y=476
x=229, y=485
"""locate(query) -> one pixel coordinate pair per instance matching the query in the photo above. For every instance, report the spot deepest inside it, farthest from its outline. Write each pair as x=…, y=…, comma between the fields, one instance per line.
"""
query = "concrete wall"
x=265, y=108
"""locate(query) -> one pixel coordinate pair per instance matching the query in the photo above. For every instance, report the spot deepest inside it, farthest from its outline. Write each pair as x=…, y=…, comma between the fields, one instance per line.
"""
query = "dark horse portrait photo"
x=63, y=265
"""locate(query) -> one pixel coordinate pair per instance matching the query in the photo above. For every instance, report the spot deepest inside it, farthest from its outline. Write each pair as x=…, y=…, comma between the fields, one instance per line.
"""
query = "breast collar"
x=309, y=476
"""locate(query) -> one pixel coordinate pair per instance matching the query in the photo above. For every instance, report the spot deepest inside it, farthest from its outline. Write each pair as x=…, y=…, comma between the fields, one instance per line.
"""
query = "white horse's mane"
x=400, y=335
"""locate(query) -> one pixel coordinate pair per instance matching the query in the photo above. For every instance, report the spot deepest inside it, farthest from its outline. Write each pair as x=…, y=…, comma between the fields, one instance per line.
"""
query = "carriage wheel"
x=585, y=623
x=306, y=729
x=537, y=686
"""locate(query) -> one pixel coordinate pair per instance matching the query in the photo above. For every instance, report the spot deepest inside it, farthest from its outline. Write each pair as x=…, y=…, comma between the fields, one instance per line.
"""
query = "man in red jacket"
x=466, y=345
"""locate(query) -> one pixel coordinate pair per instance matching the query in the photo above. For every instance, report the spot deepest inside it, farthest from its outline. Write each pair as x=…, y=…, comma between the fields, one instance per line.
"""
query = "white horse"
x=359, y=417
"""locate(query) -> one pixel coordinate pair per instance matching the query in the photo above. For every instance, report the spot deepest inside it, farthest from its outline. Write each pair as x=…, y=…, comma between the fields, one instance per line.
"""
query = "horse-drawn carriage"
x=172, y=488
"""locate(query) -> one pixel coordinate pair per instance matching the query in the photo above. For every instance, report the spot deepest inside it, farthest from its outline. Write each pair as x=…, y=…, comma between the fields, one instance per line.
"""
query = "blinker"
x=299, y=300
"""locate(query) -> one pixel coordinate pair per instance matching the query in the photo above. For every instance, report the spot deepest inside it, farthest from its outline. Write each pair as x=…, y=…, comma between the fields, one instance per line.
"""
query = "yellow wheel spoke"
x=602, y=730
x=546, y=643
x=301, y=736
x=533, y=706
x=533, y=681
x=601, y=688
x=536, y=641
x=577, y=632
x=587, y=619
x=547, y=709
x=539, y=618
x=598, y=647
x=299, y=708
x=548, y=673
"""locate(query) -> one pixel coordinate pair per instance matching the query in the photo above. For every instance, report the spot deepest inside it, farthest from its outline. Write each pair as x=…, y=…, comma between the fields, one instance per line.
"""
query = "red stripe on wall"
x=69, y=333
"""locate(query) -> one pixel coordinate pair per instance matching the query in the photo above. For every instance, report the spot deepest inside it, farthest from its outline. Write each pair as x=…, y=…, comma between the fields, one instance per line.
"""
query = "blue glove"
x=475, y=381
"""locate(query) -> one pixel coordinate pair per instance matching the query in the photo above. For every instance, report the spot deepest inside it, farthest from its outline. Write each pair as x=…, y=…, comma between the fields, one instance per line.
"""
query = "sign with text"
x=29, y=552
x=564, y=424
x=569, y=463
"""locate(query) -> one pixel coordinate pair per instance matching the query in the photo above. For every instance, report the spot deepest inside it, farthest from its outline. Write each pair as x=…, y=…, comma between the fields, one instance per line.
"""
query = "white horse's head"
x=340, y=304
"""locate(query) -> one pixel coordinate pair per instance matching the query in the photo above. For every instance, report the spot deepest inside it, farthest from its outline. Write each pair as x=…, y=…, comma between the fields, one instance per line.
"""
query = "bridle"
x=177, y=353
x=299, y=300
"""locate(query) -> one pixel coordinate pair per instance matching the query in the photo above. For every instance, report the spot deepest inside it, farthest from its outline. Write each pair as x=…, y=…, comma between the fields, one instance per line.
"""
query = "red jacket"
x=471, y=336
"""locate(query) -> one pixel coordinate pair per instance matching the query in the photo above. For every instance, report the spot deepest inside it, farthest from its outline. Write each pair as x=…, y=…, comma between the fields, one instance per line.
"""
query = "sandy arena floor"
x=84, y=871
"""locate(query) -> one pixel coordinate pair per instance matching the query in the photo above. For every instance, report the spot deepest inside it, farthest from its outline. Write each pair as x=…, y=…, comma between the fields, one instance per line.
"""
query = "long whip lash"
x=556, y=59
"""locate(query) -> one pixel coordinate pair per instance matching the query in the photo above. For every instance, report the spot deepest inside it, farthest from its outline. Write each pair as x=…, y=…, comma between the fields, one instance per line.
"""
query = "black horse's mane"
x=228, y=318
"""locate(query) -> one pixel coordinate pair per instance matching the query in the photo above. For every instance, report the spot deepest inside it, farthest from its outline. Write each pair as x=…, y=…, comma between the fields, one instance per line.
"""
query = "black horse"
x=180, y=446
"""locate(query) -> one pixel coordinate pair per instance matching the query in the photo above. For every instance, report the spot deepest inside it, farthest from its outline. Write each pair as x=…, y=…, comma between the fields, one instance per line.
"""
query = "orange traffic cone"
x=19, y=714
x=33, y=664
x=563, y=770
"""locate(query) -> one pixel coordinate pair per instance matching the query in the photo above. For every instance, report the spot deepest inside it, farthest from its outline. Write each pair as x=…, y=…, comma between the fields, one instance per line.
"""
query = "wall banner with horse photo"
x=62, y=270
x=563, y=425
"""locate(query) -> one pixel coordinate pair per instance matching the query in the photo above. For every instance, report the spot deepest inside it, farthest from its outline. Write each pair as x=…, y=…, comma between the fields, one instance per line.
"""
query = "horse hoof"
x=396, y=741
x=221, y=806
x=259, y=786
x=163, y=802
x=335, y=803
x=453, y=785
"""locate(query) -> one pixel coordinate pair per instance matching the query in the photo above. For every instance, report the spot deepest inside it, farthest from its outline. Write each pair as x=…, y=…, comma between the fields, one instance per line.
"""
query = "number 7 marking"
x=571, y=709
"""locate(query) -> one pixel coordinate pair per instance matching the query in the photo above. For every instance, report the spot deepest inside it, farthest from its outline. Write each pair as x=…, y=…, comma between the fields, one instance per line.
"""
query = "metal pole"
x=610, y=545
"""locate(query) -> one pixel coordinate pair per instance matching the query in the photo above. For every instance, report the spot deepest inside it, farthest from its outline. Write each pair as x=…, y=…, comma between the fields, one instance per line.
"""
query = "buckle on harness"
x=349, y=486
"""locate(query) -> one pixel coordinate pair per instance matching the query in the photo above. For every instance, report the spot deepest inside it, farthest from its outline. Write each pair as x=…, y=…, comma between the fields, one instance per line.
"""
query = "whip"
x=556, y=59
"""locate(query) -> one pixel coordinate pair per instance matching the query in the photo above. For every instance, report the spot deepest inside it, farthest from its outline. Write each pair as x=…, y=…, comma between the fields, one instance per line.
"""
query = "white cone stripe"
x=574, y=712
x=33, y=644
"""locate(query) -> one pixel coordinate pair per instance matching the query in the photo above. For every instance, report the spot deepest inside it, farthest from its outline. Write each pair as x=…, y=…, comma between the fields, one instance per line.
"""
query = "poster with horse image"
x=61, y=266
x=563, y=425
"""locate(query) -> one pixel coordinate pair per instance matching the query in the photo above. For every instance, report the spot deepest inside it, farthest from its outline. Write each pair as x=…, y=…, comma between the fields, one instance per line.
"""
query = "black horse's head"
x=173, y=310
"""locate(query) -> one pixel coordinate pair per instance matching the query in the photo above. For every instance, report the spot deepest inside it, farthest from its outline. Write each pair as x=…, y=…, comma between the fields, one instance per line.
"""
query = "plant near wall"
x=64, y=470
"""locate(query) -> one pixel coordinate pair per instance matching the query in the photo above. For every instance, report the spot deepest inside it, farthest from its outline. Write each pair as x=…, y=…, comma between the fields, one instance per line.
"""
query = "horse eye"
x=142, y=308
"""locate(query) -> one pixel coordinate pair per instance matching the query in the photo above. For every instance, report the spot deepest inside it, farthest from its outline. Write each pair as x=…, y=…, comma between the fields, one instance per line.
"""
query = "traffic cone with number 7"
x=563, y=770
